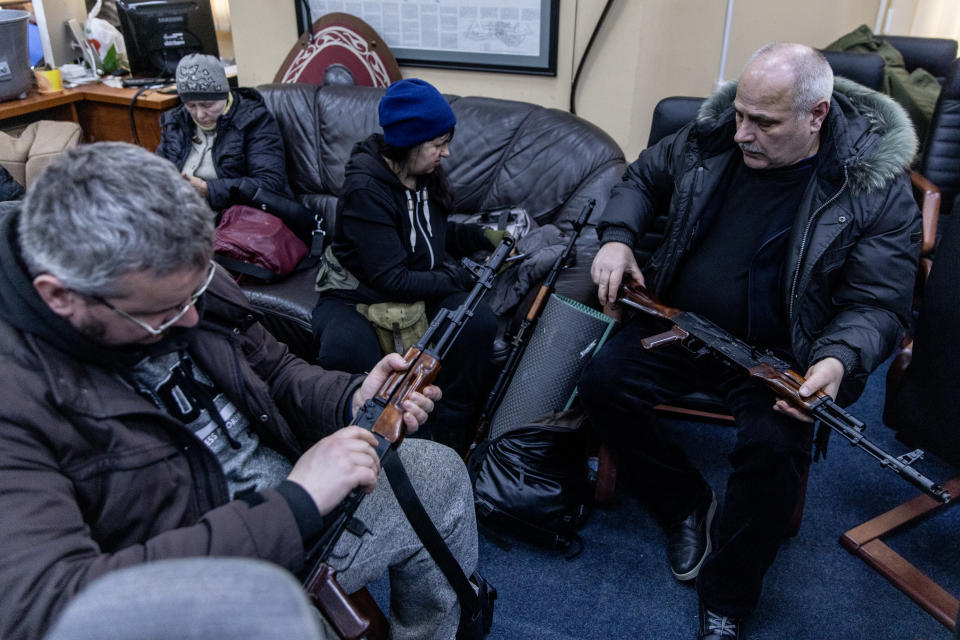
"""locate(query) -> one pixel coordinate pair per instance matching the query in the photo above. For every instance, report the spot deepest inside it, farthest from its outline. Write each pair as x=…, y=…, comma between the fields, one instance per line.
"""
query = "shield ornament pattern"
x=343, y=43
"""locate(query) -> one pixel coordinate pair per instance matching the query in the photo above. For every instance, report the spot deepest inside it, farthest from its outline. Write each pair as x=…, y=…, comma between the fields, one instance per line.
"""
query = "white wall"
x=648, y=49
x=936, y=18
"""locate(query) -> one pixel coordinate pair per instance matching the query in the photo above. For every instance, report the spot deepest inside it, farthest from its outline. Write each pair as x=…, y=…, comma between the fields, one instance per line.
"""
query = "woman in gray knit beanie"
x=224, y=141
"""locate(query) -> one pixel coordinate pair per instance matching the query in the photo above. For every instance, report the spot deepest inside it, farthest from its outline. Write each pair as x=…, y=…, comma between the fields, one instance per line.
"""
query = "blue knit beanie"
x=413, y=111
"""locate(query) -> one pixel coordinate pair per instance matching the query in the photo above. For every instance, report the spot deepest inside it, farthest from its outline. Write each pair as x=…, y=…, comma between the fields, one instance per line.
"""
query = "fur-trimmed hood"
x=866, y=131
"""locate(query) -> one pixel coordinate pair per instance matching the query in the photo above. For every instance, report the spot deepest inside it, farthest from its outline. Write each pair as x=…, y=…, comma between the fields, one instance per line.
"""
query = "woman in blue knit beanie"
x=392, y=238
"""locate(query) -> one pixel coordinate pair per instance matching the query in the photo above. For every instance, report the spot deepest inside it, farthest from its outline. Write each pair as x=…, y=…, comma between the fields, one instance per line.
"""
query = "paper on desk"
x=77, y=74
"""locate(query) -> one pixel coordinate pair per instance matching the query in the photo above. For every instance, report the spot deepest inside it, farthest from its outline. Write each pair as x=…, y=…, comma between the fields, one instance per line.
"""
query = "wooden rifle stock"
x=786, y=384
x=422, y=369
x=331, y=600
x=701, y=336
x=636, y=296
x=519, y=342
x=383, y=415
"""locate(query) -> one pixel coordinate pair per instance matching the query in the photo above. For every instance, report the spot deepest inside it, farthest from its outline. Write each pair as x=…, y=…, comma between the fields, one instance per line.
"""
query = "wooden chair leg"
x=866, y=542
x=606, y=475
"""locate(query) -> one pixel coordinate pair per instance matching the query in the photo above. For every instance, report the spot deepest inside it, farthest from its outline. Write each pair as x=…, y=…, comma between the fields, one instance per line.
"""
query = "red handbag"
x=253, y=243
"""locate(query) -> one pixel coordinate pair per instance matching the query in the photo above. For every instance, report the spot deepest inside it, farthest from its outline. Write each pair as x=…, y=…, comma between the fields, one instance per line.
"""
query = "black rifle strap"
x=247, y=268
x=427, y=532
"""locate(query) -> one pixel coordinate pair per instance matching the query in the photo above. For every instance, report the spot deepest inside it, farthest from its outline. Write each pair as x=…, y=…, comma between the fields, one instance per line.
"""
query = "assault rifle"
x=518, y=343
x=383, y=415
x=702, y=337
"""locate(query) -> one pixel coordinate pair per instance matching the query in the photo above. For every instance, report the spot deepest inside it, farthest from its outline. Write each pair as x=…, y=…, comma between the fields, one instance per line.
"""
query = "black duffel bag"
x=532, y=481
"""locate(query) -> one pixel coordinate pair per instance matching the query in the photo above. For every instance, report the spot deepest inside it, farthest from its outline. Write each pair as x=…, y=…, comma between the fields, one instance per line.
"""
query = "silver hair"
x=813, y=76
x=101, y=211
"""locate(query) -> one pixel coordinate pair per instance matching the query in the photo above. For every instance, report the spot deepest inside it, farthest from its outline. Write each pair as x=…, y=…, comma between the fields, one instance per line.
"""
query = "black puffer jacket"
x=247, y=152
x=852, y=256
x=10, y=189
x=394, y=240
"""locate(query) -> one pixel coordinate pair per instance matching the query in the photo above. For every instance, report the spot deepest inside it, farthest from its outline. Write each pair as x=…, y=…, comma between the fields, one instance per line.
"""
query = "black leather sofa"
x=504, y=154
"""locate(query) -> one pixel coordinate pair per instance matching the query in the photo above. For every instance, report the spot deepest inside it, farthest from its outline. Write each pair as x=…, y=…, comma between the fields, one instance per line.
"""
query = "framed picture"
x=511, y=36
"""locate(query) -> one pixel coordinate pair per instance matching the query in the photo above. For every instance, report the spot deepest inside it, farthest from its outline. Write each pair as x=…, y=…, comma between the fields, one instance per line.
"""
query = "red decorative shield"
x=341, y=43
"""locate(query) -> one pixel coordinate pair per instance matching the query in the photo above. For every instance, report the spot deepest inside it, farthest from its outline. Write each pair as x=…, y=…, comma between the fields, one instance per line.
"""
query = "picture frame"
x=507, y=36
x=497, y=36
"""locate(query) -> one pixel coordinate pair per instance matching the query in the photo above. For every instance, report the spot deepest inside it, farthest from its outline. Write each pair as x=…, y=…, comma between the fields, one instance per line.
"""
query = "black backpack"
x=531, y=482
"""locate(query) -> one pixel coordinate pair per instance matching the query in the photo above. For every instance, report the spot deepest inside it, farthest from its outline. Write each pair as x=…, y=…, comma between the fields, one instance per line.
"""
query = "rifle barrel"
x=519, y=342
x=701, y=336
x=832, y=415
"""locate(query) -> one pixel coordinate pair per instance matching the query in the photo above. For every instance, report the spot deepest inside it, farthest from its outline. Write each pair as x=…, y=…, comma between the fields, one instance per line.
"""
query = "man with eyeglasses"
x=147, y=415
x=158, y=330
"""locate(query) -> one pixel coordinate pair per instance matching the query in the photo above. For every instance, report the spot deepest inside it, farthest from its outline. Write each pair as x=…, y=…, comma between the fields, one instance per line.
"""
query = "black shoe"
x=688, y=541
x=716, y=627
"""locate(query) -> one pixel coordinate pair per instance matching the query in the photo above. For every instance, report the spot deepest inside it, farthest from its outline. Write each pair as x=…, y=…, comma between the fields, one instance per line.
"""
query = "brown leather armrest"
x=929, y=210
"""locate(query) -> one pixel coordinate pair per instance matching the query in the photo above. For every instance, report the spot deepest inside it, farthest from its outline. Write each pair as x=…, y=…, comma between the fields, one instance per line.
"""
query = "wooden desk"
x=102, y=111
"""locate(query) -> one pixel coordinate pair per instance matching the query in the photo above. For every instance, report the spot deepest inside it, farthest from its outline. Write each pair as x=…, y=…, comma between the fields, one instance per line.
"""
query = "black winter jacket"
x=852, y=254
x=10, y=189
x=248, y=151
x=394, y=240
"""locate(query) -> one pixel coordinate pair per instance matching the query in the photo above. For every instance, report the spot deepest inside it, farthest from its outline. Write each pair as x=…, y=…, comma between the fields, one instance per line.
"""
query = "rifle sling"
x=247, y=268
x=427, y=532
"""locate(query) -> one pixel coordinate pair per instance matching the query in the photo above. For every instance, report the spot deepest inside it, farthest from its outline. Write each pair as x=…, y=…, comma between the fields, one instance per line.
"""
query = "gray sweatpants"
x=203, y=598
x=422, y=603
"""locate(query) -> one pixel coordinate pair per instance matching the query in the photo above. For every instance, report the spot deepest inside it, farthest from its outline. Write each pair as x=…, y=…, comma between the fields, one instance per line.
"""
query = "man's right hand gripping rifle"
x=613, y=264
x=393, y=401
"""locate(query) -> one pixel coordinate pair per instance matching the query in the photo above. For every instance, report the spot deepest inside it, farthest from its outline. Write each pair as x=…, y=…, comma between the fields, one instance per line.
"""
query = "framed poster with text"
x=513, y=36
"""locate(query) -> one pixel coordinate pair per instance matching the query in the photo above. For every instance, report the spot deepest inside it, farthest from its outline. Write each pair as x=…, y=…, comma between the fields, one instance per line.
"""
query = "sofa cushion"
x=295, y=108
x=504, y=153
x=26, y=155
x=515, y=154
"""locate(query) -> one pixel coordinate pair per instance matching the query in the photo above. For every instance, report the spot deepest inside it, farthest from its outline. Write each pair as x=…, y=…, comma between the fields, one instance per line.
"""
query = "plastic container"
x=15, y=74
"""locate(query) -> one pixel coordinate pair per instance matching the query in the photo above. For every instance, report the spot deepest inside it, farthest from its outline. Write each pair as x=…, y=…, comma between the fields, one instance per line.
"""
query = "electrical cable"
x=586, y=52
x=132, y=108
x=304, y=19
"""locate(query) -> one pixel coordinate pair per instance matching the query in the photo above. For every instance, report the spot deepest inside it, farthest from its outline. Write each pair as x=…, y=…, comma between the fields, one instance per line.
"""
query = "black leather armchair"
x=937, y=169
x=669, y=116
x=933, y=54
x=864, y=68
x=504, y=154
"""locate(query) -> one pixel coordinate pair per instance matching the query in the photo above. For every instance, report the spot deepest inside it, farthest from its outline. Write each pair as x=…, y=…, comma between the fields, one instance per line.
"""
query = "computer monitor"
x=160, y=32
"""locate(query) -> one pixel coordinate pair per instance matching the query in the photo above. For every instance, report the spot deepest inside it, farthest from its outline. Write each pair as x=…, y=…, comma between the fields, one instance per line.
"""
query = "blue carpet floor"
x=621, y=587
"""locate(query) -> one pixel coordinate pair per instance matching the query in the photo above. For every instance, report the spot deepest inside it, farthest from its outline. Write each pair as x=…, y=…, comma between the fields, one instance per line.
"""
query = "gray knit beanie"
x=201, y=77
